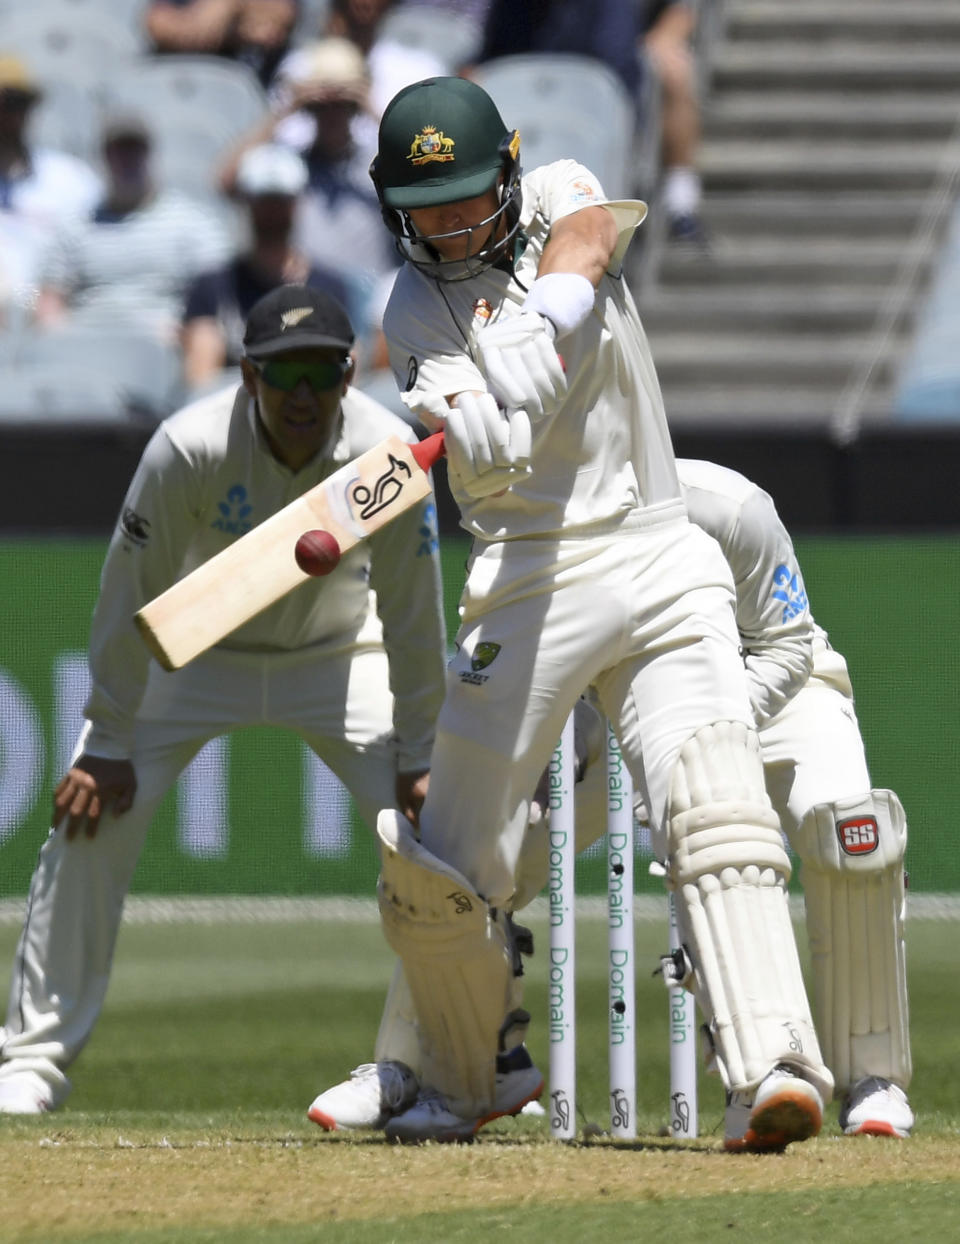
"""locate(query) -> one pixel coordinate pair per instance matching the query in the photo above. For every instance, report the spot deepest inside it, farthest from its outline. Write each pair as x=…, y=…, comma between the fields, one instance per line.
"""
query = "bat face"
x=260, y=567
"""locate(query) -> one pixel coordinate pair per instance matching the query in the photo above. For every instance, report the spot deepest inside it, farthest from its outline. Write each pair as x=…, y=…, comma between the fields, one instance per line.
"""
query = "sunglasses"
x=286, y=374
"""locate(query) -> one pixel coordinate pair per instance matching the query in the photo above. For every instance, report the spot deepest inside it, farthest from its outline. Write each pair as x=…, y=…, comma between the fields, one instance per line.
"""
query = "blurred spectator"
x=604, y=29
x=270, y=180
x=667, y=28
x=39, y=188
x=256, y=32
x=321, y=110
x=131, y=259
x=392, y=65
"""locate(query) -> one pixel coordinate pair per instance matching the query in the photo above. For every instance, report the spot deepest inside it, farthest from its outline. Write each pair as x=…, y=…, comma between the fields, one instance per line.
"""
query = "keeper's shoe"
x=517, y=1082
x=784, y=1109
x=875, y=1107
x=25, y=1093
x=374, y=1093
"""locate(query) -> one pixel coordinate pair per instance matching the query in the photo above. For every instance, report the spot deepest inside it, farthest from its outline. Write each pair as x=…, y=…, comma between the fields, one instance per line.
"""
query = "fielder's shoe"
x=875, y=1107
x=785, y=1108
x=374, y=1093
x=517, y=1082
x=24, y=1094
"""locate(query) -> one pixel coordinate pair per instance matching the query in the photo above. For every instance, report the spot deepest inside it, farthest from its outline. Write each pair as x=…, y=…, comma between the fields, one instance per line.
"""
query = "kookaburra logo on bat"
x=386, y=488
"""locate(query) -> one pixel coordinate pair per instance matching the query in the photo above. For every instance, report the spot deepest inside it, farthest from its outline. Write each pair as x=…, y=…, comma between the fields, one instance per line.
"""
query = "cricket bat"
x=256, y=570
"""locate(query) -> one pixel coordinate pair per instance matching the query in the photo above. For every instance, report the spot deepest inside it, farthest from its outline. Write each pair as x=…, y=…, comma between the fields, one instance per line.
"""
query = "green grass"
x=259, y=1017
x=215, y=1039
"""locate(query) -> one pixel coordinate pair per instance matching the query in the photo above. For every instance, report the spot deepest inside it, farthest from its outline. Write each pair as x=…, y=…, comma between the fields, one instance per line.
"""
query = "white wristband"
x=564, y=298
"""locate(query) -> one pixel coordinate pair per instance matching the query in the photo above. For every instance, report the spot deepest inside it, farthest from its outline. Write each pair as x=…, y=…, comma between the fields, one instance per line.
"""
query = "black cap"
x=295, y=317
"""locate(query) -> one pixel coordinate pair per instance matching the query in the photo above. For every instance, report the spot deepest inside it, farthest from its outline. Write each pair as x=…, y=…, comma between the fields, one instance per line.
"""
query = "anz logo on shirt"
x=428, y=531
x=233, y=514
x=789, y=588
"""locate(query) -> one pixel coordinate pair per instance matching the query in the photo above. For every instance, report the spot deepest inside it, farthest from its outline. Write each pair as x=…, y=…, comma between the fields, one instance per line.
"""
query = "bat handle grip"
x=427, y=451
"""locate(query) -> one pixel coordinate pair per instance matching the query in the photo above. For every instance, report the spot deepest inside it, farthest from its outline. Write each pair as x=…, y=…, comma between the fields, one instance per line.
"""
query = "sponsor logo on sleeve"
x=788, y=588
x=429, y=542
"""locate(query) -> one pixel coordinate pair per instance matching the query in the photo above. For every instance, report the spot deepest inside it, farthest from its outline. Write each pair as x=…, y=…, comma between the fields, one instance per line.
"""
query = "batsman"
x=511, y=325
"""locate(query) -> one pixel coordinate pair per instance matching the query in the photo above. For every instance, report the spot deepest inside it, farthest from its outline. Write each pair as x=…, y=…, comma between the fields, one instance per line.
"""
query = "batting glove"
x=522, y=367
x=487, y=449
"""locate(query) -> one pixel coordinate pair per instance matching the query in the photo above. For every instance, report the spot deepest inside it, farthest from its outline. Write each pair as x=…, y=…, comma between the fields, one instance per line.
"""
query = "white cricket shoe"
x=517, y=1082
x=25, y=1093
x=374, y=1093
x=875, y=1107
x=784, y=1109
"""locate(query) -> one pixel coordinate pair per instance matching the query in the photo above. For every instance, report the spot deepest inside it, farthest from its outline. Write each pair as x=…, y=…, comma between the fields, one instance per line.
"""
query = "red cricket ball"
x=317, y=552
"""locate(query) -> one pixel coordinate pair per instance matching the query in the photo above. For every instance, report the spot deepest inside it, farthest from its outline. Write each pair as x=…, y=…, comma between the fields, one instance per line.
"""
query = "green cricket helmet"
x=443, y=140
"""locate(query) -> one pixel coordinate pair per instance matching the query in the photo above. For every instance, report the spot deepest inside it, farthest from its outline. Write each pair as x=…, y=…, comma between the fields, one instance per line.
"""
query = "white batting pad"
x=853, y=885
x=457, y=961
x=729, y=869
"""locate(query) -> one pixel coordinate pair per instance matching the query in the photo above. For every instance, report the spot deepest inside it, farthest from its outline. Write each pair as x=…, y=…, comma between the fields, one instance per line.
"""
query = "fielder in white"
x=586, y=571
x=849, y=837
x=353, y=663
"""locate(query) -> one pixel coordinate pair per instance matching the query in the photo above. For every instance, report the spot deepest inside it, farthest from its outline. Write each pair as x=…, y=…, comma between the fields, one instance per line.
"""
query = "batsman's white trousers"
x=338, y=701
x=646, y=615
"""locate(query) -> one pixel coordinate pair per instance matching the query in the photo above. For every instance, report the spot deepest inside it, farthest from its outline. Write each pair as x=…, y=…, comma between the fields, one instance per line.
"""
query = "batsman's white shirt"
x=587, y=572
x=606, y=452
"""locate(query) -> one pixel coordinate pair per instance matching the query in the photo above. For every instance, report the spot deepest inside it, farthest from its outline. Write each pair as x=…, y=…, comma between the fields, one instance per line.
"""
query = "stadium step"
x=763, y=358
x=748, y=309
x=830, y=139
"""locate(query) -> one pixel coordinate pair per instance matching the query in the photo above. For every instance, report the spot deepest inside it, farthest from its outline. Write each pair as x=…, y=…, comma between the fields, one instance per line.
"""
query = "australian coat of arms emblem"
x=431, y=144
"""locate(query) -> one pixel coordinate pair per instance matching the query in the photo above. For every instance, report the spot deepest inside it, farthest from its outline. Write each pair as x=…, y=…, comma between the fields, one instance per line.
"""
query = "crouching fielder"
x=849, y=837
x=586, y=572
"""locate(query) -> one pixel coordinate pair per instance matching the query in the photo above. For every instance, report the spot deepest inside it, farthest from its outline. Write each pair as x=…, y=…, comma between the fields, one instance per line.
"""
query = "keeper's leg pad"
x=853, y=886
x=458, y=962
x=729, y=868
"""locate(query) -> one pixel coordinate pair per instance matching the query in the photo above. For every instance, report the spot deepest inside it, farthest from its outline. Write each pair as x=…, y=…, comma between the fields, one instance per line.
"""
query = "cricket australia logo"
x=386, y=488
x=233, y=514
x=789, y=589
x=859, y=835
x=431, y=145
x=483, y=655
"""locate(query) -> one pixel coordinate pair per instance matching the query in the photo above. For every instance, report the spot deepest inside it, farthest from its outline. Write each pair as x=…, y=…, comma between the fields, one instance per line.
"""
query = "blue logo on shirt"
x=428, y=531
x=234, y=513
x=791, y=591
